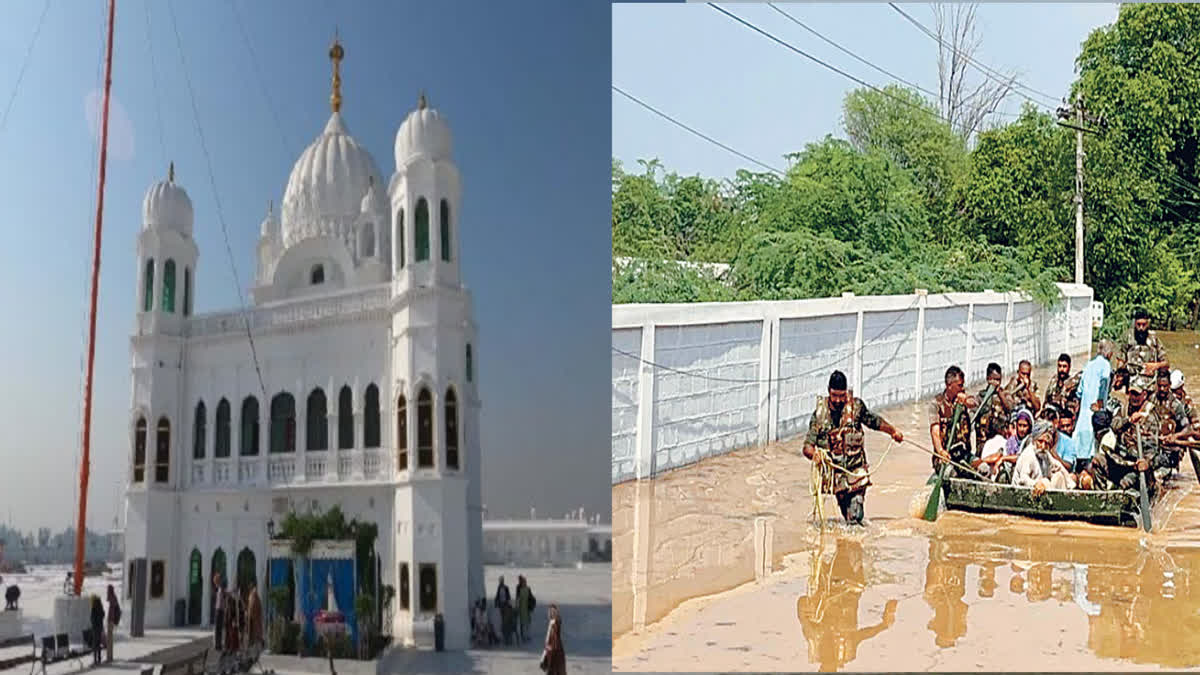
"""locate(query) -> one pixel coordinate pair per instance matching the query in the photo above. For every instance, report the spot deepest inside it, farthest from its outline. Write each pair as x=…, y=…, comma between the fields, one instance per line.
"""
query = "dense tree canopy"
x=902, y=203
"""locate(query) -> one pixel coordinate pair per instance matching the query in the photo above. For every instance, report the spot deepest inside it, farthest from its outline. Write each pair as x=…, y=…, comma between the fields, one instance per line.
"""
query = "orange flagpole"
x=81, y=527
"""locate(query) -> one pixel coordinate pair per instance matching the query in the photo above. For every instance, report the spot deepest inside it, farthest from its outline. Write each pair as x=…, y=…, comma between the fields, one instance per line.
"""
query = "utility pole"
x=1078, y=114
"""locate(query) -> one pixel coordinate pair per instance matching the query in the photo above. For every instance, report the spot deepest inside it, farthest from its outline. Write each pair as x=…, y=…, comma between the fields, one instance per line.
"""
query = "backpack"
x=116, y=614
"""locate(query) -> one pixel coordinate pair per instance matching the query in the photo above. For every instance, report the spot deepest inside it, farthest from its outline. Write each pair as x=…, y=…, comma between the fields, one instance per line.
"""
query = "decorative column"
x=300, y=456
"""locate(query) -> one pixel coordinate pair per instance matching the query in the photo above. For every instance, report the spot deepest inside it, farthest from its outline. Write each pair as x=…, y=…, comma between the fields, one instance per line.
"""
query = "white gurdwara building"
x=349, y=381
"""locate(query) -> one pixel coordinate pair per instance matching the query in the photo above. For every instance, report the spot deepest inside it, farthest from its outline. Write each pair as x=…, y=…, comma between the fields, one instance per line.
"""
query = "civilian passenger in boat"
x=1037, y=467
x=1093, y=390
x=1001, y=463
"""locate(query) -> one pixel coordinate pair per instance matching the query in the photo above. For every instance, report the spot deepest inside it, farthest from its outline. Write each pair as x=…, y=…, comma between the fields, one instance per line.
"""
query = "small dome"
x=167, y=206
x=327, y=183
x=270, y=224
x=373, y=201
x=423, y=133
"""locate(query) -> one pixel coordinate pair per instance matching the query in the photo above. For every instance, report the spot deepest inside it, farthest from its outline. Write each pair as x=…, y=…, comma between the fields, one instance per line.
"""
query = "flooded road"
x=721, y=566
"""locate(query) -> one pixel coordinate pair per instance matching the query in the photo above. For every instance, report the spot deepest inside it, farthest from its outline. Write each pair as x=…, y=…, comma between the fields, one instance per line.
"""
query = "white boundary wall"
x=761, y=365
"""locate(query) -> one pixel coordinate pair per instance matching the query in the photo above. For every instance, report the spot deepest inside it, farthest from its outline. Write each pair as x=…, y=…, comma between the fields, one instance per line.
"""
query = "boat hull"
x=1105, y=507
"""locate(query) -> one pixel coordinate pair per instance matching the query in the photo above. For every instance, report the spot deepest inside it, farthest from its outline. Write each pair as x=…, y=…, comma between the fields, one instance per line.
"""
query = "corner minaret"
x=166, y=255
x=439, y=529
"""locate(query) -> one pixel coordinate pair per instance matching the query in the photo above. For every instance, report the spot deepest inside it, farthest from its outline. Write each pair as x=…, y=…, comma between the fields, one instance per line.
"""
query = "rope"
x=817, y=481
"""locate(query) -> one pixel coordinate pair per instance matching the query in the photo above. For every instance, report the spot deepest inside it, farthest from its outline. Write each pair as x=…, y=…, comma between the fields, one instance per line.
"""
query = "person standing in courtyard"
x=835, y=444
x=114, y=618
x=524, y=609
x=554, y=655
x=98, y=637
x=504, y=607
x=218, y=612
x=254, y=617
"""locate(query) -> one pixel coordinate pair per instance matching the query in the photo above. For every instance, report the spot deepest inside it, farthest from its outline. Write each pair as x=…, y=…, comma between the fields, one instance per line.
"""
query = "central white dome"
x=327, y=184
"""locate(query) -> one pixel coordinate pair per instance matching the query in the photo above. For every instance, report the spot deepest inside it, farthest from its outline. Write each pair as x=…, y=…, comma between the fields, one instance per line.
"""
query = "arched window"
x=371, y=418
x=405, y=594
x=139, y=450
x=368, y=241
x=424, y=429
x=283, y=423
x=148, y=287
x=469, y=364
x=221, y=450
x=345, y=419
x=316, y=419
x=187, y=291
x=400, y=238
x=198, y=431
x=162, y=451
x=248, y=443
x=422, y=229
x=445, y=230
x=451, y=430
x=428, y=590
x=317, y=276
x=168, y=302
x=402, y=434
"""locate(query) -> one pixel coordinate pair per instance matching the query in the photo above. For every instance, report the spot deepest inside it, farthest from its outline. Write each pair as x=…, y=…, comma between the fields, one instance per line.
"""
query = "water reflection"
x=945, y=586
x=1138, y=601
x=829, y=612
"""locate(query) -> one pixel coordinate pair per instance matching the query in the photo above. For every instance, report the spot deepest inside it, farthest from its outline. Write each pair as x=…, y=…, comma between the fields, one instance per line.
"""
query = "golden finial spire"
x=421, y=102
x=336, y=54
x=171, y=172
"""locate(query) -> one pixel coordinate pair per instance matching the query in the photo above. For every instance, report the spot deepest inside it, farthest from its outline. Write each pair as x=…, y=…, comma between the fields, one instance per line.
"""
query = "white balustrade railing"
x=223, y=472
x=298, y=311
x=250, y=471
x=345, y=465
x=198, y=474
x=314, y=469
x=371, y=463
x=281, y=469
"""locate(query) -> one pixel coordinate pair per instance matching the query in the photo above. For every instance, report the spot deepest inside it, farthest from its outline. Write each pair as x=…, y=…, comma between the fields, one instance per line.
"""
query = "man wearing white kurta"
x=1036, y=468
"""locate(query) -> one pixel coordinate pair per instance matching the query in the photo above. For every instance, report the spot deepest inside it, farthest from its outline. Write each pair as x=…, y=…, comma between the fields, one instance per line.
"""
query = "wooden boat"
x=1106, y=507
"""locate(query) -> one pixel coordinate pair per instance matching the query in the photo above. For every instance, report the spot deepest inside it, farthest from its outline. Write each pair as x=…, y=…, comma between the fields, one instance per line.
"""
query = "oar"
x=931, y=508
x=1195, y=455
x=1145, y=496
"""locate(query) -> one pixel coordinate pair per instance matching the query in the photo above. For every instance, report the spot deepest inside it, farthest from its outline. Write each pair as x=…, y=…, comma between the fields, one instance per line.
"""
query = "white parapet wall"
x=691, y=381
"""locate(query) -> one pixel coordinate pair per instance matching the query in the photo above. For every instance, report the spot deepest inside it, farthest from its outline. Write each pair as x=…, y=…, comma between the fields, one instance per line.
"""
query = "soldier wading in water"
x=835, y=437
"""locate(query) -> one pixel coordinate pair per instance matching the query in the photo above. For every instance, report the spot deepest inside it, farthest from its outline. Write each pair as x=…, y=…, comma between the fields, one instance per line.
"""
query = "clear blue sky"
x=764, y=100
x=525, y=86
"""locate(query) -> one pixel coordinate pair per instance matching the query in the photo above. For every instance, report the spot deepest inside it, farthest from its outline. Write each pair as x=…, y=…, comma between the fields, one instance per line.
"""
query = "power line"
x=826, y=65
x=162, y=142
x=988, y=72
x=706, y=137
x=24, y=64
x=860, y=59
x=262, y=86
x=216, y=198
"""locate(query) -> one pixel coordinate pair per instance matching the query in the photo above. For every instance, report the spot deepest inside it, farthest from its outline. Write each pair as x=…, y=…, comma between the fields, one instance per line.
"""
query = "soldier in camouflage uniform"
x=1172, y=415
x=1142, y=352
x=1063, y=390
x=993, y=419
x=947, y=443
x=835, y=436
x=1022, y=391
x=1193, y=414
x=1116, y=465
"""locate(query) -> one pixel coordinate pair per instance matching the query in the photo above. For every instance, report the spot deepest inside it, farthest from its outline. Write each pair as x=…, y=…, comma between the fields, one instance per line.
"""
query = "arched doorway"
x=217, y=567
x=247, y=572
x=195, y=588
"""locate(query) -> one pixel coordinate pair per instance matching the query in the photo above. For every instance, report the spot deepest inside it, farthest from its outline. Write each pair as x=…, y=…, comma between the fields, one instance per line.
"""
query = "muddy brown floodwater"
x=720, y=566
